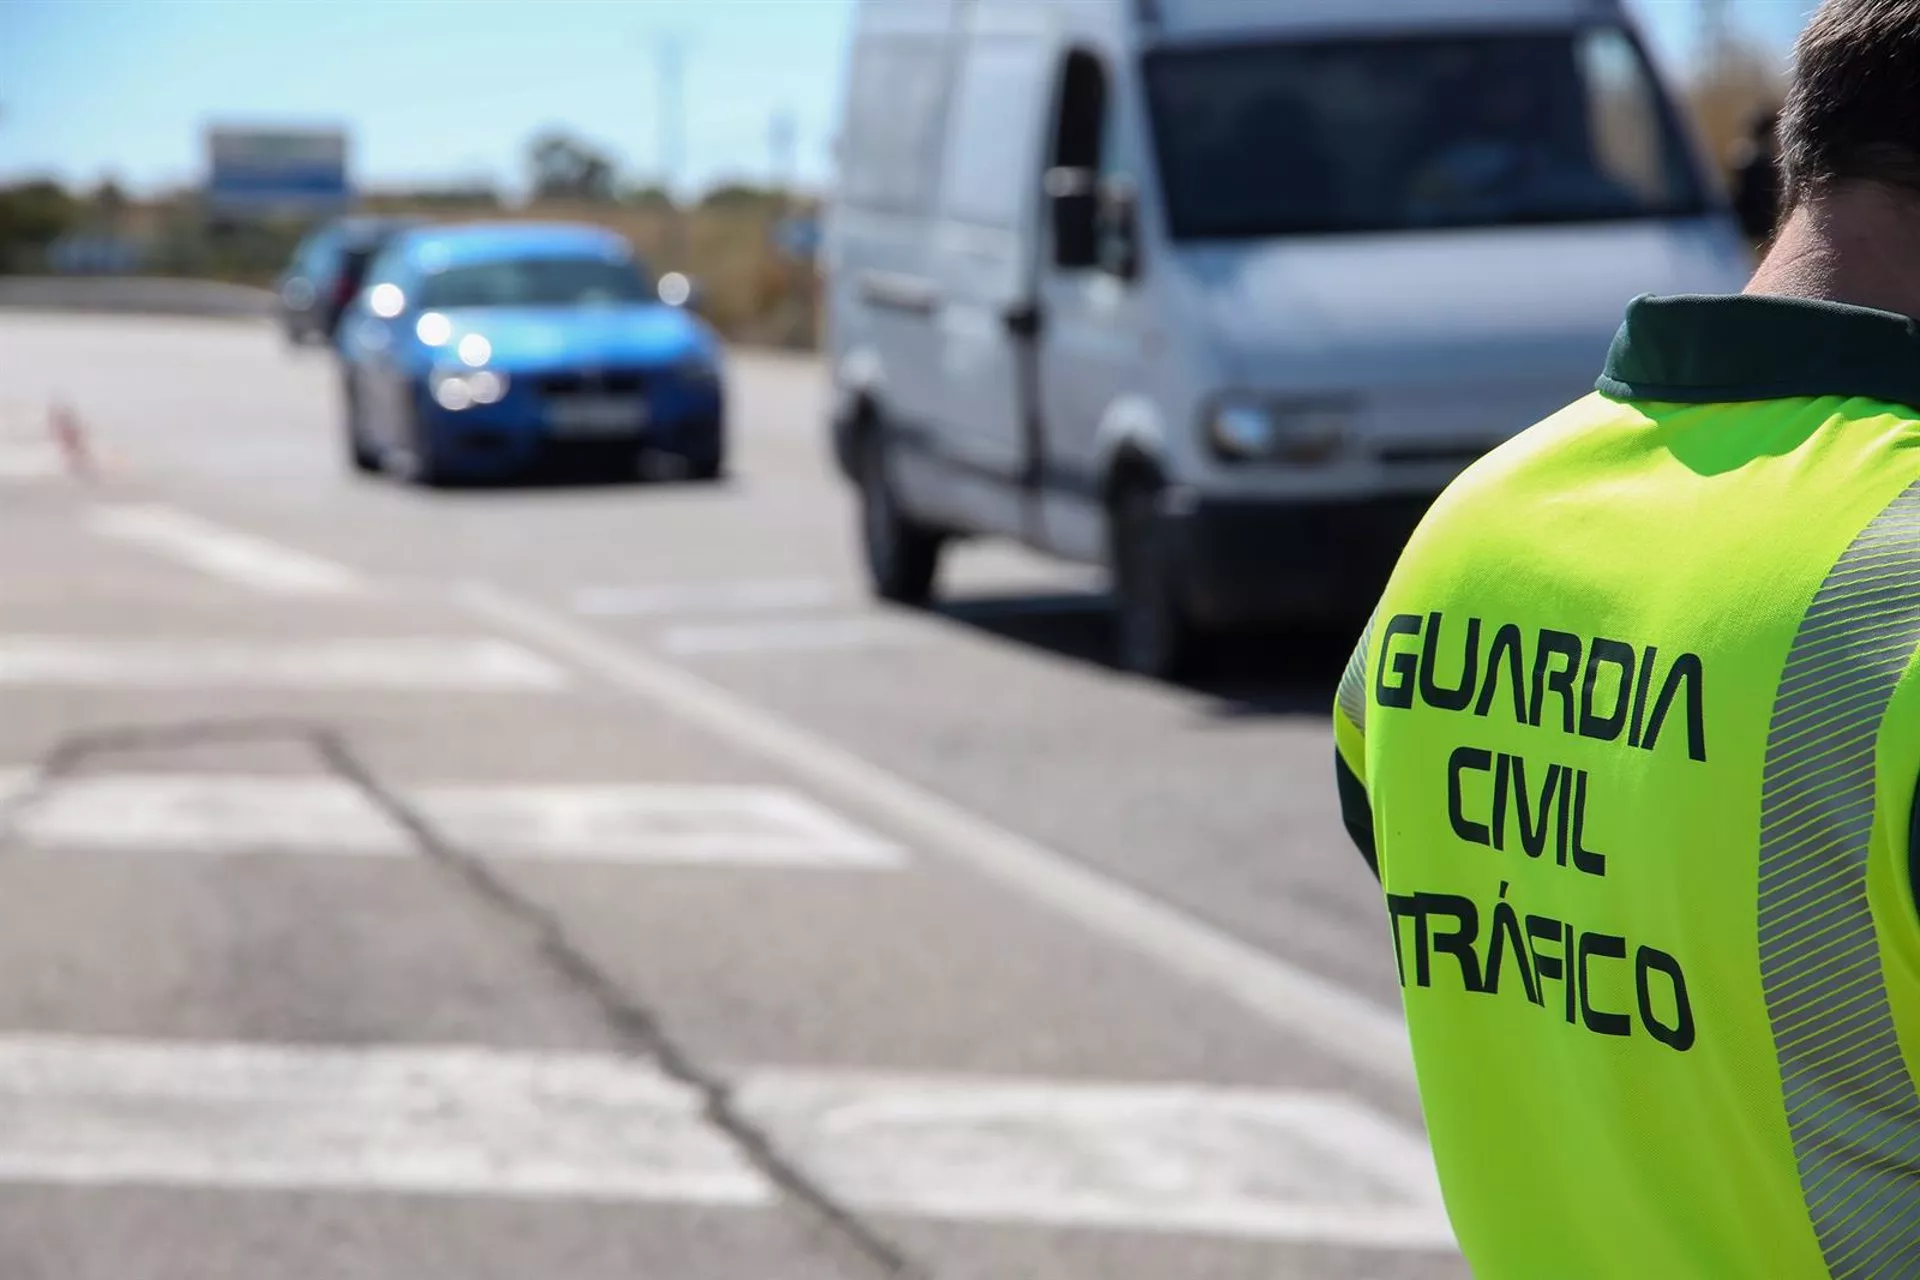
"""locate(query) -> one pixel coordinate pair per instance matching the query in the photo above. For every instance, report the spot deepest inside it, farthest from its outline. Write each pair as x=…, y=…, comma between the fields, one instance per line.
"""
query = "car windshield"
x=535, y=282
x=1410, y=133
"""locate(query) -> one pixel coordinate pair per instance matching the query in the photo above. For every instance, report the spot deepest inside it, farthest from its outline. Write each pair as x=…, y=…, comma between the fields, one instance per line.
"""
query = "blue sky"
x=447, y=89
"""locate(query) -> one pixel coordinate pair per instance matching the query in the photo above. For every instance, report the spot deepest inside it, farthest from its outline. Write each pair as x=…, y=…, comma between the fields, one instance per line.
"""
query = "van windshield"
x=1410, y=133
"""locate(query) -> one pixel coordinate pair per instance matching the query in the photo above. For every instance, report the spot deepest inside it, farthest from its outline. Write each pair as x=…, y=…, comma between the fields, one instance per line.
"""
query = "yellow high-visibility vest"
x=1633, y=736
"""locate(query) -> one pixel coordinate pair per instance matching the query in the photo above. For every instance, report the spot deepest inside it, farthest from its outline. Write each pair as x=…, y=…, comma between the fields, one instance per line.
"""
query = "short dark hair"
x=1852, y=113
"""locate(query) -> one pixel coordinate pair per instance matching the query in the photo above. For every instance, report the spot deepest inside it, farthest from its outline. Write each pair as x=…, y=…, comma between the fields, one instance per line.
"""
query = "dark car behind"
x=326, y=271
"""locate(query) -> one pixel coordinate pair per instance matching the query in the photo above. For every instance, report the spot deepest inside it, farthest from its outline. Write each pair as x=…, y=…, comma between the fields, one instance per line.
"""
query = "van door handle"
x=913, y=294
x=1022, y=319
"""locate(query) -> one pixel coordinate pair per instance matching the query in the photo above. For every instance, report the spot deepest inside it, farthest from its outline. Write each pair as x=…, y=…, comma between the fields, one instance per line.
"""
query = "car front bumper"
x=684, y=420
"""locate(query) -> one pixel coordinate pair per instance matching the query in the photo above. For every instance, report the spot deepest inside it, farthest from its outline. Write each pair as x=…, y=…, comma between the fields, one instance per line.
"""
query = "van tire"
x=1152, y=634
x=903, y=557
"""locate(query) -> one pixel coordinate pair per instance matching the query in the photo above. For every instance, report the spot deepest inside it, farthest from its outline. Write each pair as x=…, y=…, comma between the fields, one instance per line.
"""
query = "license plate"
x=597, y=415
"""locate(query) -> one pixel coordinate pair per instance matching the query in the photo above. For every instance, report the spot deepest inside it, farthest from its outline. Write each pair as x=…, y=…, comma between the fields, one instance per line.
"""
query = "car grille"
x=606, y=382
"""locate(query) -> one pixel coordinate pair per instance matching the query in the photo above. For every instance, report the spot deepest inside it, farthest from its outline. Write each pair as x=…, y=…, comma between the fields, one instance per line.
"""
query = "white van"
x=1220, y=293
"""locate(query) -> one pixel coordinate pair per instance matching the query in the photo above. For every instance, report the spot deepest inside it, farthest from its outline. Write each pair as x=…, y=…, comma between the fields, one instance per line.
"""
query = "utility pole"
x=667, y=49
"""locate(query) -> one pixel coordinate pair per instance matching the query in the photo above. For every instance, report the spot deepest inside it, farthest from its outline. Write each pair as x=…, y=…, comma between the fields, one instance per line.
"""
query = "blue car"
x=476, y=351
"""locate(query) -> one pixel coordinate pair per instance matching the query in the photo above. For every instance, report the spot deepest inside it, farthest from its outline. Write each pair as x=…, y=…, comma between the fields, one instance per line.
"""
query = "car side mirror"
x=1074, y=200
x=1118, y=231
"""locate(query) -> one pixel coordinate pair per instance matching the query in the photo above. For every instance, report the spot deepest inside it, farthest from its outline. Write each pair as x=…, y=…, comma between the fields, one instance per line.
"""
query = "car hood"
x=1430, y=310
x=534, y=338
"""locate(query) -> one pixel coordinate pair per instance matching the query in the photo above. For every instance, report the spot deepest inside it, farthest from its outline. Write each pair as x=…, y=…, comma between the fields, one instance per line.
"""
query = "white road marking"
x=211, y=813
x=704, y=597
x=227, y=813
x=1366, y=1036
x=224, y=553
x=433, y=1121
x=1286, y=1166
x=757, y=826
x=771, y=637
x=467, y=1121
x=398, y=662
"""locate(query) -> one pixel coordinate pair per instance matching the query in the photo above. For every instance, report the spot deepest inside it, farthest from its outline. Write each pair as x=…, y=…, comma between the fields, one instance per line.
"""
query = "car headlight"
x=457, y=389
x=1275, y=429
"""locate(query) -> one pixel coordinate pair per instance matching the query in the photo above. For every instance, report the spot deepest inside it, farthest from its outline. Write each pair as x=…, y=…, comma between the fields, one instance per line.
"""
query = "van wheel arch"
x=1132, y=467
x=864, y=418
x=1153, y=633
x=902, y=555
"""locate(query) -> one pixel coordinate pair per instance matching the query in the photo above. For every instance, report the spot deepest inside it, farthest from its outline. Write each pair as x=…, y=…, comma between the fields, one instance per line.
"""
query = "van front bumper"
x=1249, y=561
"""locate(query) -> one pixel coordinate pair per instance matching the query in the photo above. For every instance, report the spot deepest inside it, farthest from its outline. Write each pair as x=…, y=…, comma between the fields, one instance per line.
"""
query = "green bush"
x=32, y=216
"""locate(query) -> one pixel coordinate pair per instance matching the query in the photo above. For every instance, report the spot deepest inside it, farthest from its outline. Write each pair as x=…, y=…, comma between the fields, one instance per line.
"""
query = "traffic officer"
x=1632, y=742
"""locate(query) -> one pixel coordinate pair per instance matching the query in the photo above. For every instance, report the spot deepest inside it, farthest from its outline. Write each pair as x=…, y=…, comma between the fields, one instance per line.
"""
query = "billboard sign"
x=277, y=170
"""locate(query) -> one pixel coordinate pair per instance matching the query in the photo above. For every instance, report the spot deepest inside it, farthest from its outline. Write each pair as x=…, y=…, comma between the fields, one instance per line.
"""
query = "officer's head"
x=1852, y=114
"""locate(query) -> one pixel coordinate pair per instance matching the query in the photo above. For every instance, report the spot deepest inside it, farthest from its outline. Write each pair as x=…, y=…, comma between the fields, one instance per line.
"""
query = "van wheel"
x=902, y=557
x=1152, y=634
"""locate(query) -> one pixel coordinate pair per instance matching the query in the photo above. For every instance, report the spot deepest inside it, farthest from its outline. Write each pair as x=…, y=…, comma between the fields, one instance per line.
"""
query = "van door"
x=983, y=251
x=1094, y=347
x=886, y=297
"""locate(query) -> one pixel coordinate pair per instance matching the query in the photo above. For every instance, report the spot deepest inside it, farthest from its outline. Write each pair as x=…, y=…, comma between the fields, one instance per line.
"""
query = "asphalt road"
x=587, y=880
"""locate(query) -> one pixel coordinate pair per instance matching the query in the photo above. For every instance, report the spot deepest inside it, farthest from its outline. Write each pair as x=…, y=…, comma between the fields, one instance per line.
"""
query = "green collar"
x=1702, y=349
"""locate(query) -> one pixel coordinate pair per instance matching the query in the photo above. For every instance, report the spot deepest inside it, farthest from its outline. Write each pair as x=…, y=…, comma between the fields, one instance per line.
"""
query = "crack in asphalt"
x=626, y=1014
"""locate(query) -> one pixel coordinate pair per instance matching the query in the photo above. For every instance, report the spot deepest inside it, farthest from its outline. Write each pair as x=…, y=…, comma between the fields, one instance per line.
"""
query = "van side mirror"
x=1074, y=202
x=1118, y=231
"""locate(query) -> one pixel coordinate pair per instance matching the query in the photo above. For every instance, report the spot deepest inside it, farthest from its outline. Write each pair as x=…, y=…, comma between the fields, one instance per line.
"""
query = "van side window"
x=1080, y=151
x=1119, y=190
x=991, y=168
x=896, y=100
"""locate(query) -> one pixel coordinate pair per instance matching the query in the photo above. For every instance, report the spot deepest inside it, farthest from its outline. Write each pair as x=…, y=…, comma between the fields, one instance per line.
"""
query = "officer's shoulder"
x=1551, y=442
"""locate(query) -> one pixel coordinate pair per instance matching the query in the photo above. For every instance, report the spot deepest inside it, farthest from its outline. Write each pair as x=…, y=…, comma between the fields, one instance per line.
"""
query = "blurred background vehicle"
x=326, y=270
x=1221, y=297
x=483, y=348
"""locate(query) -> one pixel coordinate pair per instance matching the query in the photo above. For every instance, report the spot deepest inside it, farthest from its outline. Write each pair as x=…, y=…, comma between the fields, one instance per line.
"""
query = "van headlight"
x=457, y=389
x=1247, y=428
